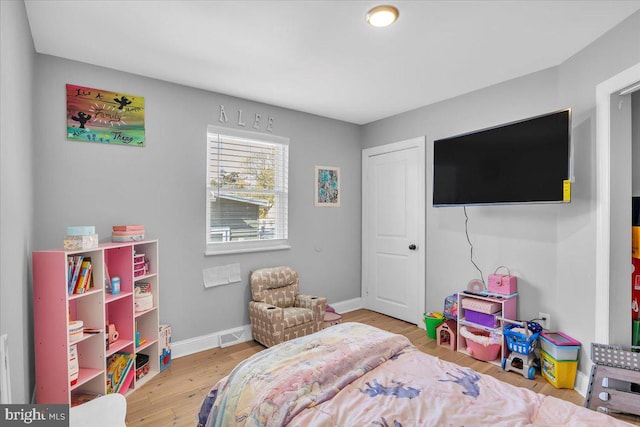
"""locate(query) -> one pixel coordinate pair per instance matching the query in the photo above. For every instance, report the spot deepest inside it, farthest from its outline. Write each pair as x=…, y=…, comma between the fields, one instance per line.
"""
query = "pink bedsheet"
x=356, y=375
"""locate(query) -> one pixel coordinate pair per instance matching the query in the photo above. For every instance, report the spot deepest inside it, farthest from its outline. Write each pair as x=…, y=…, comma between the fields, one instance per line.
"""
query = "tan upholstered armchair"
x=278, y=311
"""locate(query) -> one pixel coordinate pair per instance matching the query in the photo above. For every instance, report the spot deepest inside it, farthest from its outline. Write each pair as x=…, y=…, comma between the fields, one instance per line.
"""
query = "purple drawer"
x=488, y=320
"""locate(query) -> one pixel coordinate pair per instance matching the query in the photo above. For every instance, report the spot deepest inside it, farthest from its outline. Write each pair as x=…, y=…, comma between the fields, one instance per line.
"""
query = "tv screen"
x=521, y=162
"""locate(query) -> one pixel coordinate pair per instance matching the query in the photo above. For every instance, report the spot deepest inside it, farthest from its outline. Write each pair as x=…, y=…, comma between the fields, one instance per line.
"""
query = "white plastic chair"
x=105, y=411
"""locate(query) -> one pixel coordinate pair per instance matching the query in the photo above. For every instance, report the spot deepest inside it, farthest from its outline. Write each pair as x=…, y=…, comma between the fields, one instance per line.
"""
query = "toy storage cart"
x=615, y=379
x=522, y=358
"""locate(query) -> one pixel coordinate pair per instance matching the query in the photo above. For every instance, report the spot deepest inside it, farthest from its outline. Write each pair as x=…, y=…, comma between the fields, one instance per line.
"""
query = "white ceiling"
x=321, y=57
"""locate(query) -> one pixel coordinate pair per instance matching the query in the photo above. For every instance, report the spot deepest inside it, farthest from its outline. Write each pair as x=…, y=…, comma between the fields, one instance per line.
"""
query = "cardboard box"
x=87, y=241
x=80, y=230
x=165, y=346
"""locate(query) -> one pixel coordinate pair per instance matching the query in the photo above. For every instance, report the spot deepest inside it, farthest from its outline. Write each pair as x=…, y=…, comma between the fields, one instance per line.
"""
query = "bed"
x=353, y=374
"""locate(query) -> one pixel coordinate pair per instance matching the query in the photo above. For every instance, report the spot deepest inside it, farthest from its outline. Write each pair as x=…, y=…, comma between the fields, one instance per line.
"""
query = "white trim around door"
x=417, y=143
x=604, y=91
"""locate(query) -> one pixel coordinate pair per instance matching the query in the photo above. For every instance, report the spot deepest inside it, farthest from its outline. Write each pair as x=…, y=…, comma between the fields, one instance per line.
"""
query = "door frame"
x=419, y=143
x=604, y=185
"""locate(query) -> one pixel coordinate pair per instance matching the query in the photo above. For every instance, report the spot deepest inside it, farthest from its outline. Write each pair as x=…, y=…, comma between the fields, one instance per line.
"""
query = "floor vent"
x=233, y=337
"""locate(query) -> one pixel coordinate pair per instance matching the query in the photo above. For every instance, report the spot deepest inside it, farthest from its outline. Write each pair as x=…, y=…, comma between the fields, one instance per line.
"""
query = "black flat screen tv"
x=527, y=161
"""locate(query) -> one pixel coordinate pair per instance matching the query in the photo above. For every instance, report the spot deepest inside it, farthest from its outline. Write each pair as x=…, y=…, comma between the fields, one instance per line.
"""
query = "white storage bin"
x=560, y=346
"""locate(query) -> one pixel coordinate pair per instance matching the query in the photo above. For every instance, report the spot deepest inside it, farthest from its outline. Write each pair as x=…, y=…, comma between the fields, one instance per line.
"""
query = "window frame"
x=257, y=245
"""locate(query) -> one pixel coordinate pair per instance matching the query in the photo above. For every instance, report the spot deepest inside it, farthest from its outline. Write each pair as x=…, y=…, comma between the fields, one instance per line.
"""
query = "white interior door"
x=393, y=236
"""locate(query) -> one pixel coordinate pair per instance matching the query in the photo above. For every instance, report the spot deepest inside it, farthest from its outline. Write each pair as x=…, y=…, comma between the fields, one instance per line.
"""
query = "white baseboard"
x=348, y=305
x=207, y=342
x=582, y=383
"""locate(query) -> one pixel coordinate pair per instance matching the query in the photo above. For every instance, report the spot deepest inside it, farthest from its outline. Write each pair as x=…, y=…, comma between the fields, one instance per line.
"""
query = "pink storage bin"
x=479, y=345
x=488, y=320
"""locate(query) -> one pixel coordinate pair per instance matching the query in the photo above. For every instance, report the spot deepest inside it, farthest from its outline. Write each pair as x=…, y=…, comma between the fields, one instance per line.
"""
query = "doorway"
x=612, y=265
x=393, y=229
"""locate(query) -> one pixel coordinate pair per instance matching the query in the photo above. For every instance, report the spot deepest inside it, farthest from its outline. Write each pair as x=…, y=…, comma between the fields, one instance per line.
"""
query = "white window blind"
x=247, y=191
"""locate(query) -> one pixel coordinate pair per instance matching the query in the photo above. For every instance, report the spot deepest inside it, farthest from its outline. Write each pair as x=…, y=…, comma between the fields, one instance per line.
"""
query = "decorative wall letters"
x=256, y=122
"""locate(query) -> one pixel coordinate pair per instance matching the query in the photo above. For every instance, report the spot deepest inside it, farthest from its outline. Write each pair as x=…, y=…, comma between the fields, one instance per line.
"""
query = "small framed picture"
x=327, y=186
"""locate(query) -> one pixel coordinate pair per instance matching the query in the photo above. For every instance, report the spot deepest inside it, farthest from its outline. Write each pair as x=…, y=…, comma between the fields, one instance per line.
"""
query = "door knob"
x=412, y=247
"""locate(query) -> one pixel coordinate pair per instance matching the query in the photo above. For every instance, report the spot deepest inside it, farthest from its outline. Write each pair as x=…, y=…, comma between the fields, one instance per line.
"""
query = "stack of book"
x=127, y=233
x=79, y=273
x=118, y=369
x=80, y=237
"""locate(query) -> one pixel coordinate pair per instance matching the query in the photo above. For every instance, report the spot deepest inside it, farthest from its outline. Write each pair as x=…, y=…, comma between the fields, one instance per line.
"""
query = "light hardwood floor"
x=173, y=397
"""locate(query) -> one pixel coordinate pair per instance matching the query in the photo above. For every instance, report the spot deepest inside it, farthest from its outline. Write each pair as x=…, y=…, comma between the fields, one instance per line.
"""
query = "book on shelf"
x=126, y=382
x=118, y=367
x=82, y=283
x=75, y=267
x=89, y=282
x=69, y=271
x=107, y=277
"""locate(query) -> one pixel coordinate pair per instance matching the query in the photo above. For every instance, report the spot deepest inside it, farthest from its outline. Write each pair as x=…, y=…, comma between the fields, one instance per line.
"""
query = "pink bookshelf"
x=96, y=307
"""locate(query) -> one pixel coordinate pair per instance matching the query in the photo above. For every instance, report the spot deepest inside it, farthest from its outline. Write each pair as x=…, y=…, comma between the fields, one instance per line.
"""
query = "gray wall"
x=16, y=193
x=163, y=187
x=550, y=247
x=501, y=235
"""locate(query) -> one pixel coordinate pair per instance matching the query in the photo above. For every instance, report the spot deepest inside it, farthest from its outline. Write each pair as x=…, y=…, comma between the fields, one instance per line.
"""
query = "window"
x=247, y=191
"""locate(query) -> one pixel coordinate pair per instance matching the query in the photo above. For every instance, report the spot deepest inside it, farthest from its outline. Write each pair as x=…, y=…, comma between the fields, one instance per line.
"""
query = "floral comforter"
x=357, y=375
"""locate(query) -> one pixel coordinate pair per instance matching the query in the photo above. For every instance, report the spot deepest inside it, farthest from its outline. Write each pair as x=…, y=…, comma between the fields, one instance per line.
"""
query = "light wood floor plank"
x=173, y=397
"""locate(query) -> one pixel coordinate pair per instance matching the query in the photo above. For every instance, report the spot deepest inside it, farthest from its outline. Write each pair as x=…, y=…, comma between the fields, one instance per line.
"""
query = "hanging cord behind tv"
x=466, y=231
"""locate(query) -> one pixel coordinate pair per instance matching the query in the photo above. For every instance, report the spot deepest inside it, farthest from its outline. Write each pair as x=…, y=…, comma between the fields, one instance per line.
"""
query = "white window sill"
x=246, y=247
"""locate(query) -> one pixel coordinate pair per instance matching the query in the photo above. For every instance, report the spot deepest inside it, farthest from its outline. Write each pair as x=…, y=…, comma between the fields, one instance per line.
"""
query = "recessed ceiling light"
x=382, y=16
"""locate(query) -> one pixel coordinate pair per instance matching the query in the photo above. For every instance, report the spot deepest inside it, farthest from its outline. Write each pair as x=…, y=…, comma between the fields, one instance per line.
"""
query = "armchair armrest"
x=266, y=312
x=267, y=322
x=316, y=304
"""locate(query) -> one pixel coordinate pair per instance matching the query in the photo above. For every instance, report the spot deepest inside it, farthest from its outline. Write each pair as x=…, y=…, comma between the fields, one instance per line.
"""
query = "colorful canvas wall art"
x=327, y=186
x=97, y=115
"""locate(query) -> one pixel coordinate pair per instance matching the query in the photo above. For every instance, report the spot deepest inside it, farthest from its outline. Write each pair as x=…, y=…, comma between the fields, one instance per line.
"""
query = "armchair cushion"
x=294, y=316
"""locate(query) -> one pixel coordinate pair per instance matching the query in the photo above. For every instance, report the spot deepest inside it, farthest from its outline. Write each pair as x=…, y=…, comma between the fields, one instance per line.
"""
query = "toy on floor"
x=522, y=340
x=446, y=335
